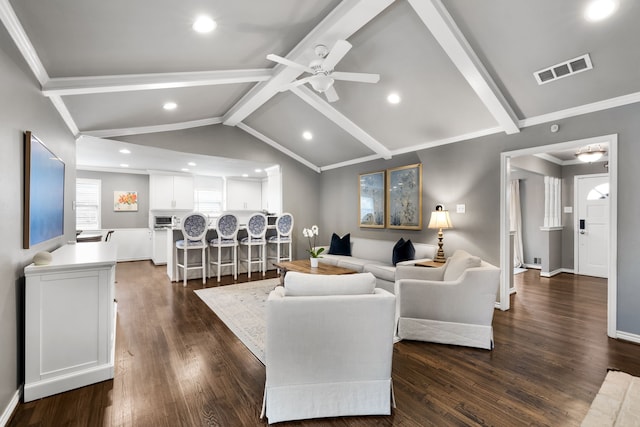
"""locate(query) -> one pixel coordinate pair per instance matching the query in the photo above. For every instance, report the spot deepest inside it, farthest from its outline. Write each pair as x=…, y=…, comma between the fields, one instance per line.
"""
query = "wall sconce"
x=440, y=219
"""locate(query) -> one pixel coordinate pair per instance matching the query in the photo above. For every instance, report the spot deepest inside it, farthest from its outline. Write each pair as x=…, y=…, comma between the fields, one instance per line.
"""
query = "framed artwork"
x=404, y=197
x=125, y=201
x=371, y=200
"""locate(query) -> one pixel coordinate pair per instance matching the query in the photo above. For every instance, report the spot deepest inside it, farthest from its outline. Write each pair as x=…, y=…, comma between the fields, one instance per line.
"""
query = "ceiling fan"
x=323, y=75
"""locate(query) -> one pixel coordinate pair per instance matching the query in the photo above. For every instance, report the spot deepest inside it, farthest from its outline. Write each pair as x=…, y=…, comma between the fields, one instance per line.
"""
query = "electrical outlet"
x=460, y=208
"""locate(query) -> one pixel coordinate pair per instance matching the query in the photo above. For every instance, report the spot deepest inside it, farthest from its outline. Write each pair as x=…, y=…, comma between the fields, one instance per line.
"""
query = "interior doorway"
x=505, y=245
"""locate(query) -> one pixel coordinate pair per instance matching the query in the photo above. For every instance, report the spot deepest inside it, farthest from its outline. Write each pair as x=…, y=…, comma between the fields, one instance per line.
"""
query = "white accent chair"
x=194, y=232
x=284, y=227
x=256, y=232
x=329, y=348
x=452, y=304
x=227, y=229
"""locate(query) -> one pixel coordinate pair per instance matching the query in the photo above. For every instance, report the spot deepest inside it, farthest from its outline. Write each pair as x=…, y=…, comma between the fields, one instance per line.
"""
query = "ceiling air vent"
x=564, y=69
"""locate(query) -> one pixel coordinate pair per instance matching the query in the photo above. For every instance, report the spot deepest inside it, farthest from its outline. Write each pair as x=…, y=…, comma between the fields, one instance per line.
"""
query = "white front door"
x=592, y=225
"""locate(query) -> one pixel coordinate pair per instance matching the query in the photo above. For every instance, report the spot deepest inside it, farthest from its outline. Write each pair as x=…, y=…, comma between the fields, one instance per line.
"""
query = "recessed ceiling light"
x=307, y=135
x=124, y=165
x=258, y=170
x=244, y=175
x=184, y=170
x=170, y=106
x=204, y=24
x=191, y=163
x=125, y=151
x=393, y=98
x=598, y=10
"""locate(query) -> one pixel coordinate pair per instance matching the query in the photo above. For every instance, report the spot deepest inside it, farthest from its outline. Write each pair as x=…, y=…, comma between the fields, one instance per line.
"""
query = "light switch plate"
x=460, y=208
x=568, y=209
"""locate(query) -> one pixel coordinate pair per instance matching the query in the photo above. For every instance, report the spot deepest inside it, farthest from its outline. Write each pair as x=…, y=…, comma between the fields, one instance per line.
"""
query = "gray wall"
x=299, y=183
x=22, y=107
x=532, y=208
x=469, y=172
x=121, y=182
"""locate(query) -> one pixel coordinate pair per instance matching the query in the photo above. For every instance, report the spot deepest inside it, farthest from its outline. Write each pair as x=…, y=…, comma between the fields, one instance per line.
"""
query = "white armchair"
x=452, y=304
x=329, y=346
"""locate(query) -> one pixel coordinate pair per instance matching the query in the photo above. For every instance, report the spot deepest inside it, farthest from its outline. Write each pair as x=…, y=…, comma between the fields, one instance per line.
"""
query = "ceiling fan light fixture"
x=321, y=82
x=589, y=155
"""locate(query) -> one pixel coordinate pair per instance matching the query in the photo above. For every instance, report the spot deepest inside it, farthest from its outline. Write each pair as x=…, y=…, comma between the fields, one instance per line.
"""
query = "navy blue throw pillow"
x=403, y=251
x=340, y=246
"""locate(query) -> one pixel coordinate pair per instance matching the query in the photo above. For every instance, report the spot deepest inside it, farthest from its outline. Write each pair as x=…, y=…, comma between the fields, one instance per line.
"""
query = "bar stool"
x=284, y=227
x=227, y=228
x=194, y=231
x=256, y=231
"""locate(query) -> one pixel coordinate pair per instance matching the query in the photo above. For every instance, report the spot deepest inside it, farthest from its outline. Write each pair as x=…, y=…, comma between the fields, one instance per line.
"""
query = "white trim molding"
x=108, y=133
x=627, y=337
x=10, y=409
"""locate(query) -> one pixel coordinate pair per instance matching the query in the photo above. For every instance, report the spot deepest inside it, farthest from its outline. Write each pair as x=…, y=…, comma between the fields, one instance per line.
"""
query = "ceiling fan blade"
x=296, y=83
x=331, y=94
x=356, y=77
x=338, y=51
x=289, y=63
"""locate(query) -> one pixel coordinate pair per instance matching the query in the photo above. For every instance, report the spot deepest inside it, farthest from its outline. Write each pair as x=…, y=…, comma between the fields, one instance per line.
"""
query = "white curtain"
x=515, y=221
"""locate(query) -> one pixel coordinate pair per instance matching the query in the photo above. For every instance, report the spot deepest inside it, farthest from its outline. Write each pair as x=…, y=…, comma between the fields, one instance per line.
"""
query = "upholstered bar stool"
x=227, y=228
x=256, y=231
x=284, y=227
x=194, y=231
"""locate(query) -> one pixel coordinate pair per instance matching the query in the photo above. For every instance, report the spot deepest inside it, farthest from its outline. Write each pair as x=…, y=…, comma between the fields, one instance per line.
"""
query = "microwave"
x=162, y=221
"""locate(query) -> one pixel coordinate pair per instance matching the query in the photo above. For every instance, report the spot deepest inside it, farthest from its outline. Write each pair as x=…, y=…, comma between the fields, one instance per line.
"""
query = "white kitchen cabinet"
x=70, y=318
x=244, y=194
x=170, y=192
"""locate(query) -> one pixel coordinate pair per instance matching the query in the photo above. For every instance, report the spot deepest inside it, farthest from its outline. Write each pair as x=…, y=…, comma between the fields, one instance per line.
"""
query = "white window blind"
x=207, y=195
x=88, y=204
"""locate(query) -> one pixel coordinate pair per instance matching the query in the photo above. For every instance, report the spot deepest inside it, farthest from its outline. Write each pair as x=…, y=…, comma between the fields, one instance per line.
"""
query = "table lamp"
x=440, y=219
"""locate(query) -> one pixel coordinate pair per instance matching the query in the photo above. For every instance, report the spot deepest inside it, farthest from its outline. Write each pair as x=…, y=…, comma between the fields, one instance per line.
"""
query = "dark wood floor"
x=178, y=365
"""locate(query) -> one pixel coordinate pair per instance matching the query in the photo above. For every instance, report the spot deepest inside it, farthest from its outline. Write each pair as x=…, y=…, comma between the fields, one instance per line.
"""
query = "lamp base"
x=440, y=254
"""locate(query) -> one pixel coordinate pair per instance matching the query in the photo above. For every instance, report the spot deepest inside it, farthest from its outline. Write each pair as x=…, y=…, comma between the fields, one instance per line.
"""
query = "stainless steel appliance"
x=162, y=222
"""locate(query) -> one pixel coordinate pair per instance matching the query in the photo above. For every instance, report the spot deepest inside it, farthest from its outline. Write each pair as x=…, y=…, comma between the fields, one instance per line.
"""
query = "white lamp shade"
x=440, y=219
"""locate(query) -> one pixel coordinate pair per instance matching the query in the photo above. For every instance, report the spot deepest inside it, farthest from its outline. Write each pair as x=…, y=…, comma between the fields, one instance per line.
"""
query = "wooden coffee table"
x=304, y=266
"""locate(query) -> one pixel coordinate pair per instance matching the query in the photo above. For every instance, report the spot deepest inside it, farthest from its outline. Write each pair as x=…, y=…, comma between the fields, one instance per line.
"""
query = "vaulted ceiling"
x=461, y=68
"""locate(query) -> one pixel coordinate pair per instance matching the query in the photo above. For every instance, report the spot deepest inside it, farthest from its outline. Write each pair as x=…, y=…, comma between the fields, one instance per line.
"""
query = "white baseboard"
x=628, y=337
x=11, y=407
x=533, y=266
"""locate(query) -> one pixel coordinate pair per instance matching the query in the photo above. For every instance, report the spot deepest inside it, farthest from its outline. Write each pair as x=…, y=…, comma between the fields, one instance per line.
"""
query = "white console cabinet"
x=70, y=314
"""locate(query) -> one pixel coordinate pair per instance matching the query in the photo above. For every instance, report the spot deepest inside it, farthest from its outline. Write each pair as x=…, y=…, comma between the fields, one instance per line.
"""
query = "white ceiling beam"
x=122, y=83
x=262, y=137
x=438, y=20
x=108, y=133
x=323, y=107
x=343, y=21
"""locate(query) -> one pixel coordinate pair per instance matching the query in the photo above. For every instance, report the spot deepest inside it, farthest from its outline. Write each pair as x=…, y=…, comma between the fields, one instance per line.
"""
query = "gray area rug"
x=243, y=309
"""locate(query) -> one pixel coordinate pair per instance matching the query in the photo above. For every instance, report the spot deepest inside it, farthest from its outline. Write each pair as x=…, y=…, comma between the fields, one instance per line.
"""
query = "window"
x=207, y=195
x=88, y=204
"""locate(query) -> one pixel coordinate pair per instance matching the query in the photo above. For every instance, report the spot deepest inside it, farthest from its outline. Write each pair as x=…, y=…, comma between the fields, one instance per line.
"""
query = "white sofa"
x=375, y=256
x=329, y=347
x=452, y=304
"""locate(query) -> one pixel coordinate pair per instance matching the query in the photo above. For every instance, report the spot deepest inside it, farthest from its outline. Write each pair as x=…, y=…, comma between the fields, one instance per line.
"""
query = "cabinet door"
x=244, y=195
x=183, y=192
x=160, y=191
